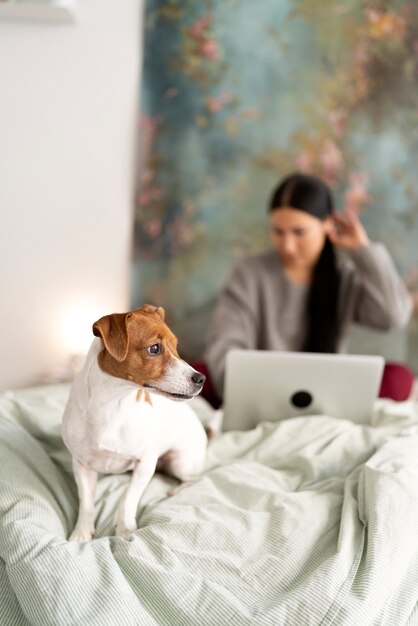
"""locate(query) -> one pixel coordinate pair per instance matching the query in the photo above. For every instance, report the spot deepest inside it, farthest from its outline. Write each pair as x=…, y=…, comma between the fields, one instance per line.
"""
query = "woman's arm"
x=234, y=324
x=383, y=302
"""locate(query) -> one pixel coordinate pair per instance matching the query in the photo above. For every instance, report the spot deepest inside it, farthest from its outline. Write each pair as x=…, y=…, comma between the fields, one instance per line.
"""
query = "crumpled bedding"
x=312, y=520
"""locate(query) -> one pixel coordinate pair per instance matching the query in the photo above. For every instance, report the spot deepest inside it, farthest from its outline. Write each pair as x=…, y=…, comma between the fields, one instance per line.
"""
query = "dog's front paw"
x=126, y=528
x=82, y=533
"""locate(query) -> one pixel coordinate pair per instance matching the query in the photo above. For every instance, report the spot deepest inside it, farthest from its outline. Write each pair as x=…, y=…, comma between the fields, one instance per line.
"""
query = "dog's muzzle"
x=197, y=380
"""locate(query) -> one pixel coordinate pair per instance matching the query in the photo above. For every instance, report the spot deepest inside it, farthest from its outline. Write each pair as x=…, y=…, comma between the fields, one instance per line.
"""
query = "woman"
x=301, y=296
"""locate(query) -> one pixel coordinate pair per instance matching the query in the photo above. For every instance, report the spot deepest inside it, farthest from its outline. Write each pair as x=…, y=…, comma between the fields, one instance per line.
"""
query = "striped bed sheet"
x=309, y=521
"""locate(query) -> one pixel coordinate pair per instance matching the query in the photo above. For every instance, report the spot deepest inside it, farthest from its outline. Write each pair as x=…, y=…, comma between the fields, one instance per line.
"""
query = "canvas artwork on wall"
x=236, y=95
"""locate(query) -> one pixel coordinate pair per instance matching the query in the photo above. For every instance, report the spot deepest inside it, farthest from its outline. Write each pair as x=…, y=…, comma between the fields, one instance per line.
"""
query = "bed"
x=309, y=521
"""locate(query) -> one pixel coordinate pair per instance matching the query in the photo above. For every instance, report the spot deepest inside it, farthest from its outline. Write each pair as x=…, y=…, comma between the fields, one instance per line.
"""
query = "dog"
x=123, y=413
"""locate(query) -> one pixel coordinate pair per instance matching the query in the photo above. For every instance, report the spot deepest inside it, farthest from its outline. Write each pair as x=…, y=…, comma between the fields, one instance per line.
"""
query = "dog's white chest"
x=106, y=462
x=123, y=442
x=112, y=434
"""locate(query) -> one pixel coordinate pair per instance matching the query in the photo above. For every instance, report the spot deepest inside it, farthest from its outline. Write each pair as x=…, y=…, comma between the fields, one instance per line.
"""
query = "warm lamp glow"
x=77, y=325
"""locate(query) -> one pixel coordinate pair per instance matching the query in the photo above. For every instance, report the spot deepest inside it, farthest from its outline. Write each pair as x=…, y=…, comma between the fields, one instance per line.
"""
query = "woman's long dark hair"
x=310, y=194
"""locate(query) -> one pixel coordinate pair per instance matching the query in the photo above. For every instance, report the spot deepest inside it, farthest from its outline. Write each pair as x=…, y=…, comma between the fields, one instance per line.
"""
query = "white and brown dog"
x=121, y=413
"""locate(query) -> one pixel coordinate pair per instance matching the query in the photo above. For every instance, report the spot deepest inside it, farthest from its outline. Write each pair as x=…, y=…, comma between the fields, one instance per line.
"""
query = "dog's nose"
x=198, y=378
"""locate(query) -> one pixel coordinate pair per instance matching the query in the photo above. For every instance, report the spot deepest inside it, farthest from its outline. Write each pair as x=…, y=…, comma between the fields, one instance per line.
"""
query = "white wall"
x=68, y=118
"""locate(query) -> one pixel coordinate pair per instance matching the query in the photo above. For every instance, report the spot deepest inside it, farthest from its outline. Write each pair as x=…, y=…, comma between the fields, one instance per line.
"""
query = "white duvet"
x=310, y=521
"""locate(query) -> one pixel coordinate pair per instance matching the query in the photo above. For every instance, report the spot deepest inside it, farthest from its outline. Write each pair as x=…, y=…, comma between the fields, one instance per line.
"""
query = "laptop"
x=270, y=386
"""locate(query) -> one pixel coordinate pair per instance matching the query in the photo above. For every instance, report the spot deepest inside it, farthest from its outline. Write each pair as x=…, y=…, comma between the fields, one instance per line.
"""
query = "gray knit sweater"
x=261, y=308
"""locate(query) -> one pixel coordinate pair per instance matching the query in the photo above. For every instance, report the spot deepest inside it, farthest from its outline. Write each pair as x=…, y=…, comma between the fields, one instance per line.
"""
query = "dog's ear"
x=157, y=310
x=160, y=311
x=113, y=330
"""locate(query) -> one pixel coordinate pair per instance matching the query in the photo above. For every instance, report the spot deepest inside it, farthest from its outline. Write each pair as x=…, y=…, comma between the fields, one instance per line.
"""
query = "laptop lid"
x=271, y=386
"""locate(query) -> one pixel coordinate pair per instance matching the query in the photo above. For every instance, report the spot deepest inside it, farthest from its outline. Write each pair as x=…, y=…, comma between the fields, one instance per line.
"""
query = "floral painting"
x=235, y=95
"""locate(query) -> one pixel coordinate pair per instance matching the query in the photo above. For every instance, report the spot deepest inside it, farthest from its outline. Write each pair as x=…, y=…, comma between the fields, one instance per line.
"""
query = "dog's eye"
x=155, y=349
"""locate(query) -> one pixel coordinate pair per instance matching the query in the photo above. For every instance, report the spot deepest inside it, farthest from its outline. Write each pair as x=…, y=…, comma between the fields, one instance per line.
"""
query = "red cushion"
x=397, y=382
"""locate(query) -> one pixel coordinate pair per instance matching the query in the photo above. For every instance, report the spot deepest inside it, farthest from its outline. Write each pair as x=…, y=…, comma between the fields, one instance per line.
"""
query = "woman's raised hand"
x=347, y=232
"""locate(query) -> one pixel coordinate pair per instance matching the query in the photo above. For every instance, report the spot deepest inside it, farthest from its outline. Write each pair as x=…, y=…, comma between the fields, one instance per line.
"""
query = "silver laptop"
x=271, y=386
